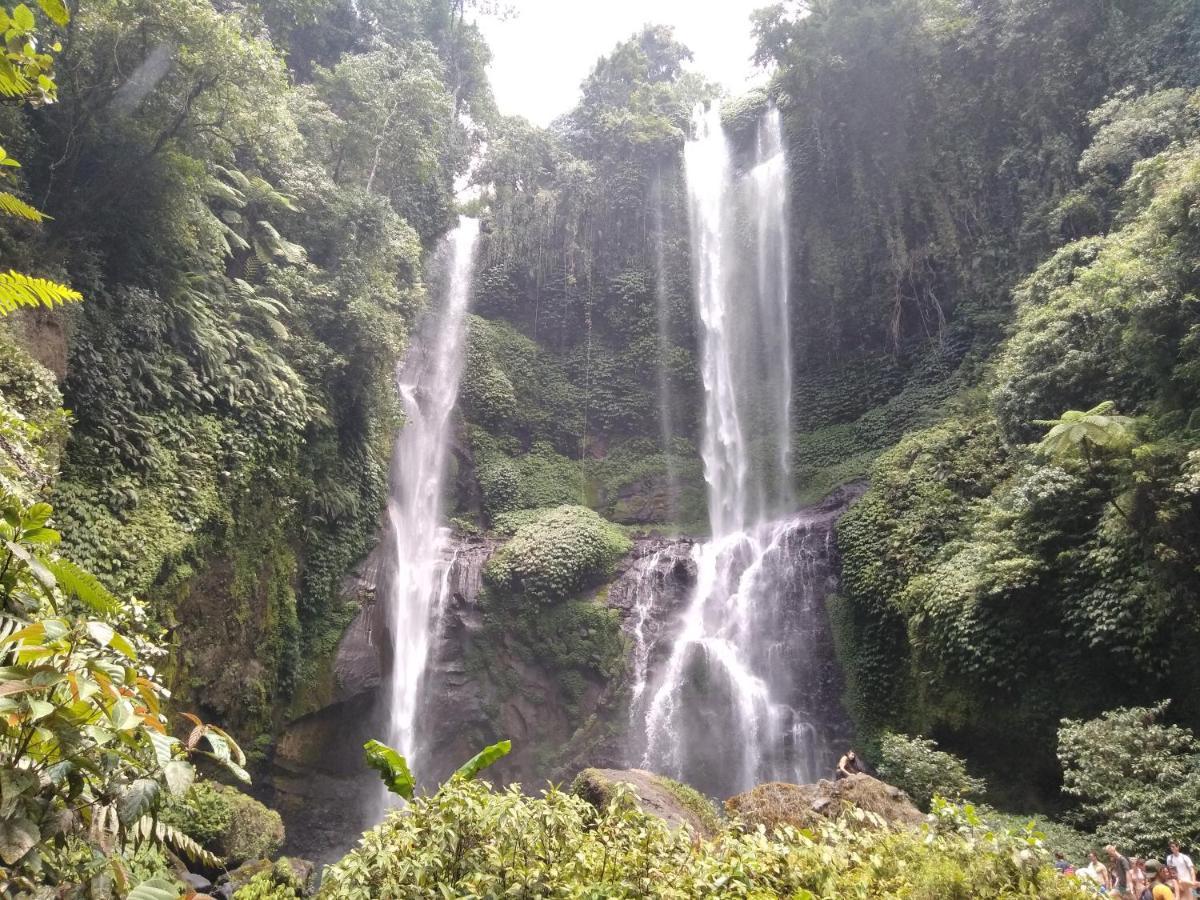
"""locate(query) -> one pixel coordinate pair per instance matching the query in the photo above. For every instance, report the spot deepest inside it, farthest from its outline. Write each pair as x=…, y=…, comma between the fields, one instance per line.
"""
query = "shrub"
x=918, y=767
x=231, y=824
x=557, y=554
x=471, y=840
x=1137, y=778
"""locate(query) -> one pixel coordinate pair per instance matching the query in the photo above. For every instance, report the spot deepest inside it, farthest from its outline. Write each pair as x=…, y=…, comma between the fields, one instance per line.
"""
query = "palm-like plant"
x=1088, y=434
x=1078, y=432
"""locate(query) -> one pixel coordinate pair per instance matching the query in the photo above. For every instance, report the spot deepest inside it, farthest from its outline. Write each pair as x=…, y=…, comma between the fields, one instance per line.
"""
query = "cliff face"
x=481, y=686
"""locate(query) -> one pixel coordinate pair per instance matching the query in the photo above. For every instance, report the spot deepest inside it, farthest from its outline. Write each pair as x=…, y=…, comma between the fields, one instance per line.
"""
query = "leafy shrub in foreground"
x=471, y=840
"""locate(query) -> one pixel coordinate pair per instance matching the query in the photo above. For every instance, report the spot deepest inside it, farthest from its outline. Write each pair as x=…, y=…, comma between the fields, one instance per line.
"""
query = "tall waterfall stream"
x=417, y=571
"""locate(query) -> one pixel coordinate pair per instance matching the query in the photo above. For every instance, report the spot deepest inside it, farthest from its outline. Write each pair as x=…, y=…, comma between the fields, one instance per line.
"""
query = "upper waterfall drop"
x=728, y=708
x=413, y=583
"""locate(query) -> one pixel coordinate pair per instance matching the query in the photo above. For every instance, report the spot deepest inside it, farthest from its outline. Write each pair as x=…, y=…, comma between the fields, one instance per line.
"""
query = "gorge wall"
x=990, y=219
x=482, y=683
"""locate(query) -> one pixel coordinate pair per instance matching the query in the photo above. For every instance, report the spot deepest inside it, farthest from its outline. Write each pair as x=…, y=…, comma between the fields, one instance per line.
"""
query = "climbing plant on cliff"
x=1017, y=565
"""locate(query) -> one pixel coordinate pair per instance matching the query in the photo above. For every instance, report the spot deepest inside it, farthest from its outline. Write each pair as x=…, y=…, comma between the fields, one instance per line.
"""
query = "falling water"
x=415, y=580
x=726, y=712
x=768, y=189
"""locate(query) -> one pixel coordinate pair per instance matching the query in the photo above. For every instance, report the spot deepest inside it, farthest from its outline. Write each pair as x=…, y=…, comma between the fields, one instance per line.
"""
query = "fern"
x=18, y=290
x=12, y=82
x=83, y=585
x=14, y=206
x=147, y=829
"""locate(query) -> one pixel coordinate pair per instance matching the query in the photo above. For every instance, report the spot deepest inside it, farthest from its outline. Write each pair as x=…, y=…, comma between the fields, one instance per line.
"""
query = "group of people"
x=1138, y=879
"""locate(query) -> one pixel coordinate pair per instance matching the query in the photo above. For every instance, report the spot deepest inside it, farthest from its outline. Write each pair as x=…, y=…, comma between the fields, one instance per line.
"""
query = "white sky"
x=542, y=54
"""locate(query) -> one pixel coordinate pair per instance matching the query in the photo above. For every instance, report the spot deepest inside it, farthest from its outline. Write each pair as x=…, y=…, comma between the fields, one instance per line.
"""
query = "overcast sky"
x=542, y=54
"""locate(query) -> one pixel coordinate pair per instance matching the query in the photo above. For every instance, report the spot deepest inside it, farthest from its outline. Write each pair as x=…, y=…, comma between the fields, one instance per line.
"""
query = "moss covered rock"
x=555, y=553
x=675, y=803
x=227, y=822
x=807, y=805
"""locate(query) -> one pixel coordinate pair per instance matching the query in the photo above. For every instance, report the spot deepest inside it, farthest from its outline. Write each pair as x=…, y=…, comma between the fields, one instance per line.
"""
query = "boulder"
x=807, y=805
x=659, y=796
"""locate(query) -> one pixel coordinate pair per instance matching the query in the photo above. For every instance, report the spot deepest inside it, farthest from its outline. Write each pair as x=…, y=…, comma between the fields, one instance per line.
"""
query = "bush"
x=556, y=554
x=470, y=840
x=918, y=767
x=1137, y=778
x=227, y=822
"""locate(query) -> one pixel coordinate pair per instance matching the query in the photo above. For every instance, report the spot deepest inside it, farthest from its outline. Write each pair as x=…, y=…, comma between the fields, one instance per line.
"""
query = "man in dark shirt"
x=1118, y=868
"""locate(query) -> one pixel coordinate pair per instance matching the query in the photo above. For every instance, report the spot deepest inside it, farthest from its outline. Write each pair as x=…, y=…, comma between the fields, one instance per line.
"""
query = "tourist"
x=1137, y=877
x=1060, y=863
x=1156, y=886
x=1096, y=871
x=1185, y=872
x=848, y=765
x=1118, y=868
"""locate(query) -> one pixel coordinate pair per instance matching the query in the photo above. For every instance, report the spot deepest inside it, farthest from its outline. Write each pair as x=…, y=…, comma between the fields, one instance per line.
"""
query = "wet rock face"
x=479, y=688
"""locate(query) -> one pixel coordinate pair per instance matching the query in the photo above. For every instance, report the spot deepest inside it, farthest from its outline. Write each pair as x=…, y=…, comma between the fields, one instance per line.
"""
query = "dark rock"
x=198, y=883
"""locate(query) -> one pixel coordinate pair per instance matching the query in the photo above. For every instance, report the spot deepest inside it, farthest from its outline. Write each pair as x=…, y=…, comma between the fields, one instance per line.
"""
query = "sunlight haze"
x=571, y=36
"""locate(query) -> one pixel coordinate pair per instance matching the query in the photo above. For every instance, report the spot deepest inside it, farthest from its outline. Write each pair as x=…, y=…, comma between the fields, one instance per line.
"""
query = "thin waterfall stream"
x=417, y=568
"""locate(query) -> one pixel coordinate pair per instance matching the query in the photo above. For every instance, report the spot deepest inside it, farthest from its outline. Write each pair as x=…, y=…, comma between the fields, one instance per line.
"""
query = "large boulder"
x=807, y=805
x=674, y=803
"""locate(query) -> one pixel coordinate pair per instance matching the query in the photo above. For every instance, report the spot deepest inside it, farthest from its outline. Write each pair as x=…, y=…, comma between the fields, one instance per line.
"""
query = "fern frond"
x=85, y=586
x=14, y=206
x=12, y=82
x=25, y=290
x=146, y=829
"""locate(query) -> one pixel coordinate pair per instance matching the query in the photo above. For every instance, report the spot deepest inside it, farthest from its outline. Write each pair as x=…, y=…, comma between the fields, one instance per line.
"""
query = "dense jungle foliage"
x=995, y=264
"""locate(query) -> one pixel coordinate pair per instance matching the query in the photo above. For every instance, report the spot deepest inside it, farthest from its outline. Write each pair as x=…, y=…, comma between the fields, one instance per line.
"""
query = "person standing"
x=1097, y=871
x=1185, y=872
x=1118, y=869
x=1137, y=877
x=1156, y=884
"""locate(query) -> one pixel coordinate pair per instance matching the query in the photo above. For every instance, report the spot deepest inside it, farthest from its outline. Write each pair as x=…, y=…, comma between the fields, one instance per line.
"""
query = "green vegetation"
x=86, y=759
x=918, y=767
x=469, y=839
x=226, y=822
x=556, y=554
x=1027, y=581
x=1136, y=777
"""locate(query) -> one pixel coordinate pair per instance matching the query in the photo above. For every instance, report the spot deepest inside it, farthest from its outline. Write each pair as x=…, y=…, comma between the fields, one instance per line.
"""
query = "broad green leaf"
x=156, y=889
x=180, y=775
x=164, y=747
x=392, y=768
x=136, y=800
x=17, y=837
x=484, y=758
x=23, y=18
x=56, y=10
x=123, y=717
x=39, y=709
x=100, y=632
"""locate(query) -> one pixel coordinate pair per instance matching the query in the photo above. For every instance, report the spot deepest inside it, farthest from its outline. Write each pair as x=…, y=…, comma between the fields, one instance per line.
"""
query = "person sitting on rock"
x=848, y=765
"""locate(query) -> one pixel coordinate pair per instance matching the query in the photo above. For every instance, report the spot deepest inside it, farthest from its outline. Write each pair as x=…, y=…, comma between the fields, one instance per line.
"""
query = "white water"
x=415, y=581
x=721, y=717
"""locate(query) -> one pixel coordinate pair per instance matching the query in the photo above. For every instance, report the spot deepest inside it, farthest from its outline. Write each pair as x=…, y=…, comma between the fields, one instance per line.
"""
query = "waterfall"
x=419, y=563
x=729, y=707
